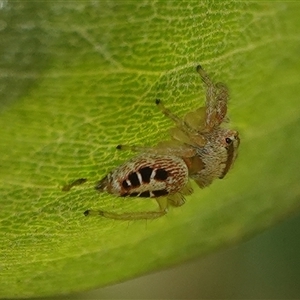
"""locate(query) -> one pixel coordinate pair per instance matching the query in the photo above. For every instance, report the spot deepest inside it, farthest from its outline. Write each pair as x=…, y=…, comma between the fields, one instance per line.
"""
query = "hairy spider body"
x=199, y=149
x=149, y=176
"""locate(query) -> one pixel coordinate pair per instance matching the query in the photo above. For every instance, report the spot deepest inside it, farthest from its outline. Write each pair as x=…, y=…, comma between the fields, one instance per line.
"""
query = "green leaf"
x=78, y=78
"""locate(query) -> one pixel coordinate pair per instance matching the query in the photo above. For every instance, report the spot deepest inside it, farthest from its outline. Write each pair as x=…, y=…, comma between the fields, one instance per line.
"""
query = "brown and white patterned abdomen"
x=147, y=176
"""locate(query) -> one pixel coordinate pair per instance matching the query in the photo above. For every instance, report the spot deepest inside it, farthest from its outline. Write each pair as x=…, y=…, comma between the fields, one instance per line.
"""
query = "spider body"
x=199, y=149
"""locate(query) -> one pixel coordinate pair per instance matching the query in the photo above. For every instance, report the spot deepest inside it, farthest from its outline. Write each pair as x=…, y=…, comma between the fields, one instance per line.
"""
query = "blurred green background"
x=265, y=267
x=78, y=78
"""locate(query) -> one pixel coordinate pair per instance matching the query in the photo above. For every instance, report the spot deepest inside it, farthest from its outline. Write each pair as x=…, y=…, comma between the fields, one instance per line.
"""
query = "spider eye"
x=228, y=141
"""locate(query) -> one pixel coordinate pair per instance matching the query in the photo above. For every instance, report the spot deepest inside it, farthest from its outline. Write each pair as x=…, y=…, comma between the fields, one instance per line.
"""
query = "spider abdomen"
x=147, y=176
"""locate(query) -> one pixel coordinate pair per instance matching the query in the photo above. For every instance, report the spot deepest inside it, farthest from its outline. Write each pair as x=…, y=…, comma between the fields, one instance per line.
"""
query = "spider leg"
x=178, y=121
x=183, y=131
x=166, y=147
x=210, y=98
x=176, y=200
x=133, y=148
x=187, y=190
x=202, y=181
x=222, y=97
x=204, y=76
x=144, y=215
x=216, y=100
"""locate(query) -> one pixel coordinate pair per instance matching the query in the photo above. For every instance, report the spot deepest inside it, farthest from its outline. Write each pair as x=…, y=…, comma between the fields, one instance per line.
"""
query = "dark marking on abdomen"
x=125, y=184
x=145, y=194
x=160, y=193
x=134, y=180
x=161, y=174
x=146, y=174
x=134, y=194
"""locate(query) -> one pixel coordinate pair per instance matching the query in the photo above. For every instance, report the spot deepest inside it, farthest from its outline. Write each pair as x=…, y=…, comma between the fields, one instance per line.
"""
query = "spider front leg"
x=178, y=121
x=181, y=125
x=183, y=131
x=216, y=100
x=171, y=147
x=222, y=97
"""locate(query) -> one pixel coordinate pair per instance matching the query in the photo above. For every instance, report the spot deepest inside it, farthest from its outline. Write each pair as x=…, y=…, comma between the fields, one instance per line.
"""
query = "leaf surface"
x=79, y=78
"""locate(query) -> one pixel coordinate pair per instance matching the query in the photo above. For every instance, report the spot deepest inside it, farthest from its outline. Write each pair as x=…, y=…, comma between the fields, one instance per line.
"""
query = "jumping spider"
x=199, y=149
